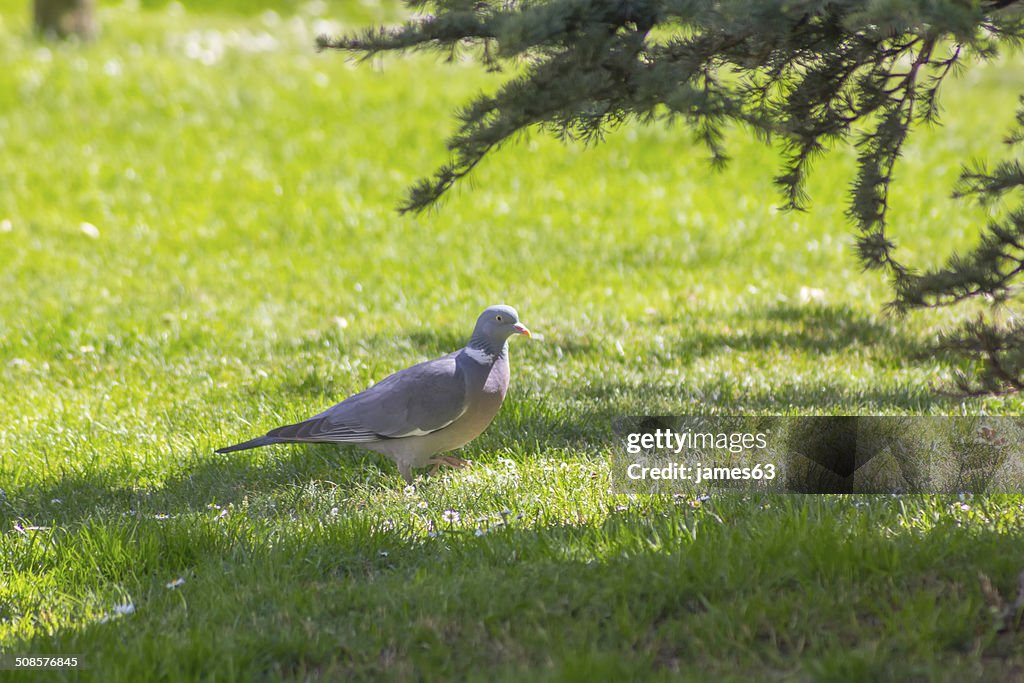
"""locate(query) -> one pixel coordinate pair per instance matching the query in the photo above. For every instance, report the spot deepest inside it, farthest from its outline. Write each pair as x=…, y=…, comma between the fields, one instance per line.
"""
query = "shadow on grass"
x=203, y=480
x=813, y=328
x=222, y=479
x=661, y=589
x=725, y=394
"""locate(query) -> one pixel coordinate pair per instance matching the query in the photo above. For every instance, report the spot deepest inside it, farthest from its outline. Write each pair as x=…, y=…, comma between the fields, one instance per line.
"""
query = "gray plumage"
x=416, y=413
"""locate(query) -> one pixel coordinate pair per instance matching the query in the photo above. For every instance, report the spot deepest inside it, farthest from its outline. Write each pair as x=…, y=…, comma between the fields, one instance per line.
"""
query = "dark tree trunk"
x=65, y=18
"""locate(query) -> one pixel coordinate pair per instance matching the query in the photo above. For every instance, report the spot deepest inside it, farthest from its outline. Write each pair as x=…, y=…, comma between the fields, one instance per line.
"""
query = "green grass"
x=249, y=270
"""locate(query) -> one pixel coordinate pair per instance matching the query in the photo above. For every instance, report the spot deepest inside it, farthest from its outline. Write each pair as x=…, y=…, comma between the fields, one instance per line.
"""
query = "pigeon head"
x=494, y=326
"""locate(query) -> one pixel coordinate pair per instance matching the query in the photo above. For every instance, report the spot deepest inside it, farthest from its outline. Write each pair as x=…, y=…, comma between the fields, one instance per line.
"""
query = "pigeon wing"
x=412, y=402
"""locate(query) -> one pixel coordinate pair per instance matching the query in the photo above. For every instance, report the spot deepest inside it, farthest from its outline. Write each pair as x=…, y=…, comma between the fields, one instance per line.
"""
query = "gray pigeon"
x=430, y=408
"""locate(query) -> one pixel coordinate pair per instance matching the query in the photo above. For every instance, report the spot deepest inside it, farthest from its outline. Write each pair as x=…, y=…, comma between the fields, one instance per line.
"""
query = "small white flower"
x=450, y=516
x=270, y=18
x=422, y=505
x=410, y=490
x=334, y=512
x=383, y=553
x=180, y=581
x=126, y=608
x=810, y=295
x=89, y=230
x=6, y=225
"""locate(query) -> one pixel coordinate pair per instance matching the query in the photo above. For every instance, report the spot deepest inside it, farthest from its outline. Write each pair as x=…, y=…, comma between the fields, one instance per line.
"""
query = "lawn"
x=198, y=242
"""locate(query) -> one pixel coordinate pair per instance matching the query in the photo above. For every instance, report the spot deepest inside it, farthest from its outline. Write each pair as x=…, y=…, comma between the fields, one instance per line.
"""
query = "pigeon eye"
x=498, y=318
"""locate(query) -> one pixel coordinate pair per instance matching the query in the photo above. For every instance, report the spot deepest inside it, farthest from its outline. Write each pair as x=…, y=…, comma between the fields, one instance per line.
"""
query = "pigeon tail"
x=251, y=443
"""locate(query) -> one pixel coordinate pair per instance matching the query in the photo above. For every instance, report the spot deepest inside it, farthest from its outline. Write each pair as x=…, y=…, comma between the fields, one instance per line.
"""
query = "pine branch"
x=1000, y=348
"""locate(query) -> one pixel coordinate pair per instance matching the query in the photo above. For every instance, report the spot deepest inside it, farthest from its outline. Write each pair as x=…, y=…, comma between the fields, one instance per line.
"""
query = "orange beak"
x=522, y=329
